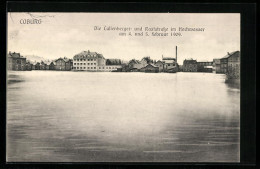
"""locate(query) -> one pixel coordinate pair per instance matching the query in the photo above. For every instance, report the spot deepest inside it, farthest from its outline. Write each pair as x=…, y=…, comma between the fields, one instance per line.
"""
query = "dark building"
x=160, y=64
x=63, y=64
x=113, y=62
x=189, y=65
x=28, y=65
x=43, y=66
x=170, y=64
x=216, y=65
x=16, y=62
x=205, y=66
x=150, y=68
x=35, y=66
x=52, y=66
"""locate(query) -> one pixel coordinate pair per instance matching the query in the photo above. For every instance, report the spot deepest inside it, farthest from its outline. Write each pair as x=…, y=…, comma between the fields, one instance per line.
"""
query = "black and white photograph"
x=123, y=87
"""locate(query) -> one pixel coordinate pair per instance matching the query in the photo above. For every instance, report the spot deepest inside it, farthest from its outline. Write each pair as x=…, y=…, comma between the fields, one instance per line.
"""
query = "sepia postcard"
x=123, y=87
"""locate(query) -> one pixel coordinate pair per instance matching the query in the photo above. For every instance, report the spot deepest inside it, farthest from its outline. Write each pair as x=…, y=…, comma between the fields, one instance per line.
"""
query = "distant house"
x=28, y=66
x=132, y=65
x=113, y=62
x=160, y=64
x=35, y=66
x=230, y=63
x=216, y=65
x=89, y=61
x=189, y=65
x=47, y=65
x=205, y=66
x=16, y=62
x=42, y=66
x=169, y=64
x=63, y=64
x=52, y=66
x=150, y=68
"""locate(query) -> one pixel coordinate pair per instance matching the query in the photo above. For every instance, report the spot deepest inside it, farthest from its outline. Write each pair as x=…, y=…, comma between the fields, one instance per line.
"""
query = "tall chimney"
x=176, y=54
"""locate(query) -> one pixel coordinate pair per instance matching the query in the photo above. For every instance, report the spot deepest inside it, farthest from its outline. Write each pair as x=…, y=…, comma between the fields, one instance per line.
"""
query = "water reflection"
x=80, y=116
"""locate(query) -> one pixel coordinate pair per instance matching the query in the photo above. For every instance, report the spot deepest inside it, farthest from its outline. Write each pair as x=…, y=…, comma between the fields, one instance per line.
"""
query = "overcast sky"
x=66, y=34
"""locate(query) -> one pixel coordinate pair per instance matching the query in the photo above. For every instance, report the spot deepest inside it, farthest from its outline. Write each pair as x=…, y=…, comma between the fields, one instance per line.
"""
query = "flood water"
x=57, y=116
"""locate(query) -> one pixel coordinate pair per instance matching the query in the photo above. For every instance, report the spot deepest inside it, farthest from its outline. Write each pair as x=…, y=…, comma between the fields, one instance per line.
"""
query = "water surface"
x=121, y=117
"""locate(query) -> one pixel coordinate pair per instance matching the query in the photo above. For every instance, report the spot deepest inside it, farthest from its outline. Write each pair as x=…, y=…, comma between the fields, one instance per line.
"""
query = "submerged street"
x=55, y=116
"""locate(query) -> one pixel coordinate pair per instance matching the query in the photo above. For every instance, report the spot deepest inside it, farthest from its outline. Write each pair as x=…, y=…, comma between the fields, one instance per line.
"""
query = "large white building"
x=92, y=61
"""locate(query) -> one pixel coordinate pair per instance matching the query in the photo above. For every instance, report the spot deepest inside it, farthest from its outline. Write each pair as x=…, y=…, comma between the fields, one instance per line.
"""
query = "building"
x=205, y=66
x=229, y=62
x=111, y=65
x=35, y=66
x=43, y=66
x=89, y=61
x=16, y=62
x=189, y=65
x=150, y=68
x=133, y=65
x=52, y=66
x=169, y=64
x=160, y=64
x=28, y=65
x=216, y=65
x=63, y=64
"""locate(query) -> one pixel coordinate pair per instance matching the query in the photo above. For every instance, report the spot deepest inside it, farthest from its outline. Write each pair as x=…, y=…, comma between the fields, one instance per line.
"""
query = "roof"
x=88, y=54
x=168, y=58
x=113, y=61
x=47, y=62
x=151, y=65
x=15, y=55
x=203, y=61
x=228, y=55
x=135, y=61
x=159, y=62
x=64, y=59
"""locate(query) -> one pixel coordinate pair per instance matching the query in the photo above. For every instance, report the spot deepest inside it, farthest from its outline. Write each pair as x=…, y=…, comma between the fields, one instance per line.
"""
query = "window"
x=88, y=63
x=80, y=63
x=94, y=63
x=99, y=67
x=74, y=63
x=169, y=64
x=84, y=63
x=91, y=63
x=84, y=67
x=88, y=59
x=94, y=67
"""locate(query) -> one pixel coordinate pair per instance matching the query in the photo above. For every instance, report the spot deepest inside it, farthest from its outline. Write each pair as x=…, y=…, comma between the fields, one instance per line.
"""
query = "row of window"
x=84, y=63
x=85, y=59
x=84, y=68
x=94, y=67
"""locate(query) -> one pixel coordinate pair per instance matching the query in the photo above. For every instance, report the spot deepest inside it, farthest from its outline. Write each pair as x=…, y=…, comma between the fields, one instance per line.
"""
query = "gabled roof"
x=158, y=62
x=229, y=54
x=168, y=58
x=151, y=65
x=15, y=55
x=135, y=61
x=64, y=59
x=86, y=54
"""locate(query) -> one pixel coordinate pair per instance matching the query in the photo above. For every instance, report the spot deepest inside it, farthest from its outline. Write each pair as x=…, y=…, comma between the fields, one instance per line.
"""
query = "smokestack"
x=176, y=54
